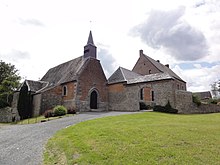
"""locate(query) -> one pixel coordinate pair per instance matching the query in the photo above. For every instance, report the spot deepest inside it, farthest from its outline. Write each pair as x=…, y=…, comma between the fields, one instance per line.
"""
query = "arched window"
x=64, y=92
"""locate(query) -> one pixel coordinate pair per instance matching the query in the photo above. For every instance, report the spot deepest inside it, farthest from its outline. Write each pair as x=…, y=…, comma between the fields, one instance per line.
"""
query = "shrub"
x=213, y=101
x=166, y=109
x=159, y=108
x=196, y=100
x=59, y=110
x=71, y=111
x=3, y=104
x=143, y=106
x=48, y=113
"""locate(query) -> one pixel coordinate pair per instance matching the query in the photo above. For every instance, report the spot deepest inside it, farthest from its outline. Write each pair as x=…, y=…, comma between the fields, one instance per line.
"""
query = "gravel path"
x=23, y=144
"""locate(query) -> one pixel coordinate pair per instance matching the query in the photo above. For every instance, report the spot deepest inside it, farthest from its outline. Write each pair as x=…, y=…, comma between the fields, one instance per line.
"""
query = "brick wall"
x=91, y=77
x=71, y=91
x=144, y=66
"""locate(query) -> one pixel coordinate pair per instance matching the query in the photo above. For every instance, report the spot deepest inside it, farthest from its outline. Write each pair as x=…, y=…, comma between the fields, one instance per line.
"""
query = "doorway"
x=93, y=100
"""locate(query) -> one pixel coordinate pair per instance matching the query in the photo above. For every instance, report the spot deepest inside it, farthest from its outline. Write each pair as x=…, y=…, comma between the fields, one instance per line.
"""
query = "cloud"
x=199, y=78
x=15, y=55
x=107, y=60
x=167, y=30
x=32, y=21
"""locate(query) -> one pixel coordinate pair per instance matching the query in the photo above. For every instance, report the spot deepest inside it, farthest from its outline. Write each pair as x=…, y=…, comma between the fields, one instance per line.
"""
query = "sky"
x=36, y=35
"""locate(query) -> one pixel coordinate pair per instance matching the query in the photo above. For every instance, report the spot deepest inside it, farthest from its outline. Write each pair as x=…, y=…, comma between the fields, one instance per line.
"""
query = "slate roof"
x=130, y=77
x=90, y=39
x=64, y=72
x=122, y=75
x=203, y=95
x=163, y=68
x=35, y=86
x=150, y=78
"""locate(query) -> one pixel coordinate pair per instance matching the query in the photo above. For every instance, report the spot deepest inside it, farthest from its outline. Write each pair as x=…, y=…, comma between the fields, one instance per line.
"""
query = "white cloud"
x=167, y=29
x=31, y=21
x=199, y=78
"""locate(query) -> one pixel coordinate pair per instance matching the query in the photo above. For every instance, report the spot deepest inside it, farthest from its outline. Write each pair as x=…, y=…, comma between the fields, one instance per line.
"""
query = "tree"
x=215, y=88
x=9, y=81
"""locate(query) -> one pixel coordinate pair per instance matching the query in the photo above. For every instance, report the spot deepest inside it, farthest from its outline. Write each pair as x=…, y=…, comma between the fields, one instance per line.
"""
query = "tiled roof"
x=150, y=78
x=64, y=72
x=162, y=68
x=122, y=75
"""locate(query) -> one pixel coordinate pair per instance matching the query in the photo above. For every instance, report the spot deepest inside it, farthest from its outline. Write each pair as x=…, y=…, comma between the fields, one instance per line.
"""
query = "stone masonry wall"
x=36, y=105
x=124, y=99
x=7, y=115
x=183, y=101
x=128, y=99
x=164, y=92
x=51, y=98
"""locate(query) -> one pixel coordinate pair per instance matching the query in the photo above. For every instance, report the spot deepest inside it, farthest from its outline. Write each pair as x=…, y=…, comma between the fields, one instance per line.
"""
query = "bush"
x=3, y=103
x=71, y=111
x=59, y=110
x=213, y=101
x=48, y=113
x=143, y=106
x=159, y=108
x=166, y=109
x=196, y=100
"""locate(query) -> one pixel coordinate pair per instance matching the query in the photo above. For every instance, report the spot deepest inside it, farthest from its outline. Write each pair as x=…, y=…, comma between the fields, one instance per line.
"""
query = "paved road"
x=23, y=144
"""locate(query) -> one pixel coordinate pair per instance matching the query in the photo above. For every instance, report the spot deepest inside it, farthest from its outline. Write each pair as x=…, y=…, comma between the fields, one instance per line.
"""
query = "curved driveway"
x=23, y=144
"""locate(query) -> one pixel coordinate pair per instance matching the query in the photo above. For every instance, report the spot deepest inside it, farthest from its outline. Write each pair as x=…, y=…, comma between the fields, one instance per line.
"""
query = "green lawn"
x=145, y=138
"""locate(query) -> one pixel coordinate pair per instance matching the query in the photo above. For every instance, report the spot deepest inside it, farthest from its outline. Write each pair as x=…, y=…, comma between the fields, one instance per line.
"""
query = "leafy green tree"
x=9, y=81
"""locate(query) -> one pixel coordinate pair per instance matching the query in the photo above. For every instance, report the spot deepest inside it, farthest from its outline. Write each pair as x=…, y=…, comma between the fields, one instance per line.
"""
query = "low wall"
x=202, y=109
x=8, y=115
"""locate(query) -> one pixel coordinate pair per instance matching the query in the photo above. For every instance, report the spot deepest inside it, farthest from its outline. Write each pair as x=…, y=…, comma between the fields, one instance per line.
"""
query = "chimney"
x=167, y=65
x=158, y=61
x=141, y=52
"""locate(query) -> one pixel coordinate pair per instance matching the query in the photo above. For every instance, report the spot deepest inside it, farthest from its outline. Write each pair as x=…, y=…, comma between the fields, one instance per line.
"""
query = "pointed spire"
x=90, y=48
x=90, y=39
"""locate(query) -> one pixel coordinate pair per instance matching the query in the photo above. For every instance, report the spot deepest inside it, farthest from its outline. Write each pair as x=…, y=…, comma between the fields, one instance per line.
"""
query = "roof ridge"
x=151, y=59
x=122, y=73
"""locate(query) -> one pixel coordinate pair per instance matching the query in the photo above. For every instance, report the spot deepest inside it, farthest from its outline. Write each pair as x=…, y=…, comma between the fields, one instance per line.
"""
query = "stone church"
x=81, y=84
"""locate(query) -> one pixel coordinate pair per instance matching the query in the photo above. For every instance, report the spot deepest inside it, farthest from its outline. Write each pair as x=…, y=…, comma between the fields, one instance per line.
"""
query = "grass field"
x=145, y=138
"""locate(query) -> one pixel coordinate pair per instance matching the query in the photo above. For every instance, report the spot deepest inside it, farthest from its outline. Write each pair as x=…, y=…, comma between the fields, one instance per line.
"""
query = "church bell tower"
x=90, y=48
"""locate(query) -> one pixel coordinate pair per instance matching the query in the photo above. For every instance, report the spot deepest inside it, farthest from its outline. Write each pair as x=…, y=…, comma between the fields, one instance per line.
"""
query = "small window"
x=152, y=95
x=178, y=86
x=142, y=94
x=65, y=90
x=86, y=51
x=149, y=71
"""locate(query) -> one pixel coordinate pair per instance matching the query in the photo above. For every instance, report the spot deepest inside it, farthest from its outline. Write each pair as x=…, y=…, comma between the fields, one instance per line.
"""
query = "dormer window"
x=64, y=92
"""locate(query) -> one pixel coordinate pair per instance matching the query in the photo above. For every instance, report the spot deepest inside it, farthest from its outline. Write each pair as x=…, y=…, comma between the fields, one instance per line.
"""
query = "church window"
x=142, y=93
x=64, y=92
x=152, y=95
